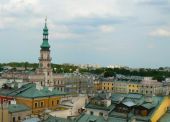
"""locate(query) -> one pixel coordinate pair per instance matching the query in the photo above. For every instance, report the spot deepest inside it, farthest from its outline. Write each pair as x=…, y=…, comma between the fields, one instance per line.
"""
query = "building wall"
x=97, y=85
x=133, y=88
x=3, y=113
x=6, y=99
x=19, y=116
x=54, y=102
x=39, y=104
x=147, y=88
x=120, y=87
x=161, y=109
x=96, y=112
x=107, y=86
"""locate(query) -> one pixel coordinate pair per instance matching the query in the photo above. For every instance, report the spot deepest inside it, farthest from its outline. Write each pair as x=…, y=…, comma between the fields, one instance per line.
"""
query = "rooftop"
x=29, y=90
x=17, y=108
x=165, y=117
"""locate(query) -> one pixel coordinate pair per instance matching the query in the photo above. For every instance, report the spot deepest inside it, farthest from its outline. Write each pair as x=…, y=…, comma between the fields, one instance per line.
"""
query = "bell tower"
x=45, y=59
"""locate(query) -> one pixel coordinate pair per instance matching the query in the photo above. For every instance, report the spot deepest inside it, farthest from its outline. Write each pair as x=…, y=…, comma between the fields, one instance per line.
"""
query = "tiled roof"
x=17, y=108
x=134, y=96
x=165, y=117
x=35, y=93
x=57, y=119
x=93, y=106
x=129, y=103
x=29, y=90
x=89, y=118
x=14, y=91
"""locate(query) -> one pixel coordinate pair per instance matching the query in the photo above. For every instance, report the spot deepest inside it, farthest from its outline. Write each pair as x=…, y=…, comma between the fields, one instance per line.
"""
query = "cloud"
x=160, y=33
x=63, y=35
x=106, y=28
x=152, y=2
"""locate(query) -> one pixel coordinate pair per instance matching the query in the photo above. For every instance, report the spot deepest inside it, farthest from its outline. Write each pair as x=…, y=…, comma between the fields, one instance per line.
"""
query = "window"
x=52, y=103
x=48, y=73
x=13, y=119
x=36, y=105
x=57, y=101
x=108, y=88
x=41, y=104
x=91, y=112
x=100, y=114
x=48, y=65
x=104, y=87
x=19, y=118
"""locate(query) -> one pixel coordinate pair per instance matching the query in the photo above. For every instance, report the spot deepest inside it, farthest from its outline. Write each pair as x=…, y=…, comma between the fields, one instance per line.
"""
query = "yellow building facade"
x=40, y=104
x=107, y=86
x=133, y=87
x=97, y=85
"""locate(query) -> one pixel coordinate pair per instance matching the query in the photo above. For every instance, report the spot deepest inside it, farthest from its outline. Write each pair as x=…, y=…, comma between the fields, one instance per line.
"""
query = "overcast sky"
x=133, y=33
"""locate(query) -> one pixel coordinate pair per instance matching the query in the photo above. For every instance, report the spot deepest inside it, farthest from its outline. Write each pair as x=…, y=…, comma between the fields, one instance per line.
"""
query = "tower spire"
x=46, y=21
x=45, y=44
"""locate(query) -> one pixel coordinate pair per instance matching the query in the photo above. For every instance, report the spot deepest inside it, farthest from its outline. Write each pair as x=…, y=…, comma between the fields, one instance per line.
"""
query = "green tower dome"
x=45, y=44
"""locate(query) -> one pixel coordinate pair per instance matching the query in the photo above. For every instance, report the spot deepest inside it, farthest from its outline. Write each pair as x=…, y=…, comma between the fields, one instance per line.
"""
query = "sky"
x=134, y=33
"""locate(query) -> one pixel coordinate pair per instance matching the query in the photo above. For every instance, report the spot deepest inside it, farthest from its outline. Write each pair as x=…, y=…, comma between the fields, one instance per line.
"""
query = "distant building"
x=135, y=85
x=76, y=83
x=13, y=112
x=151, y=87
